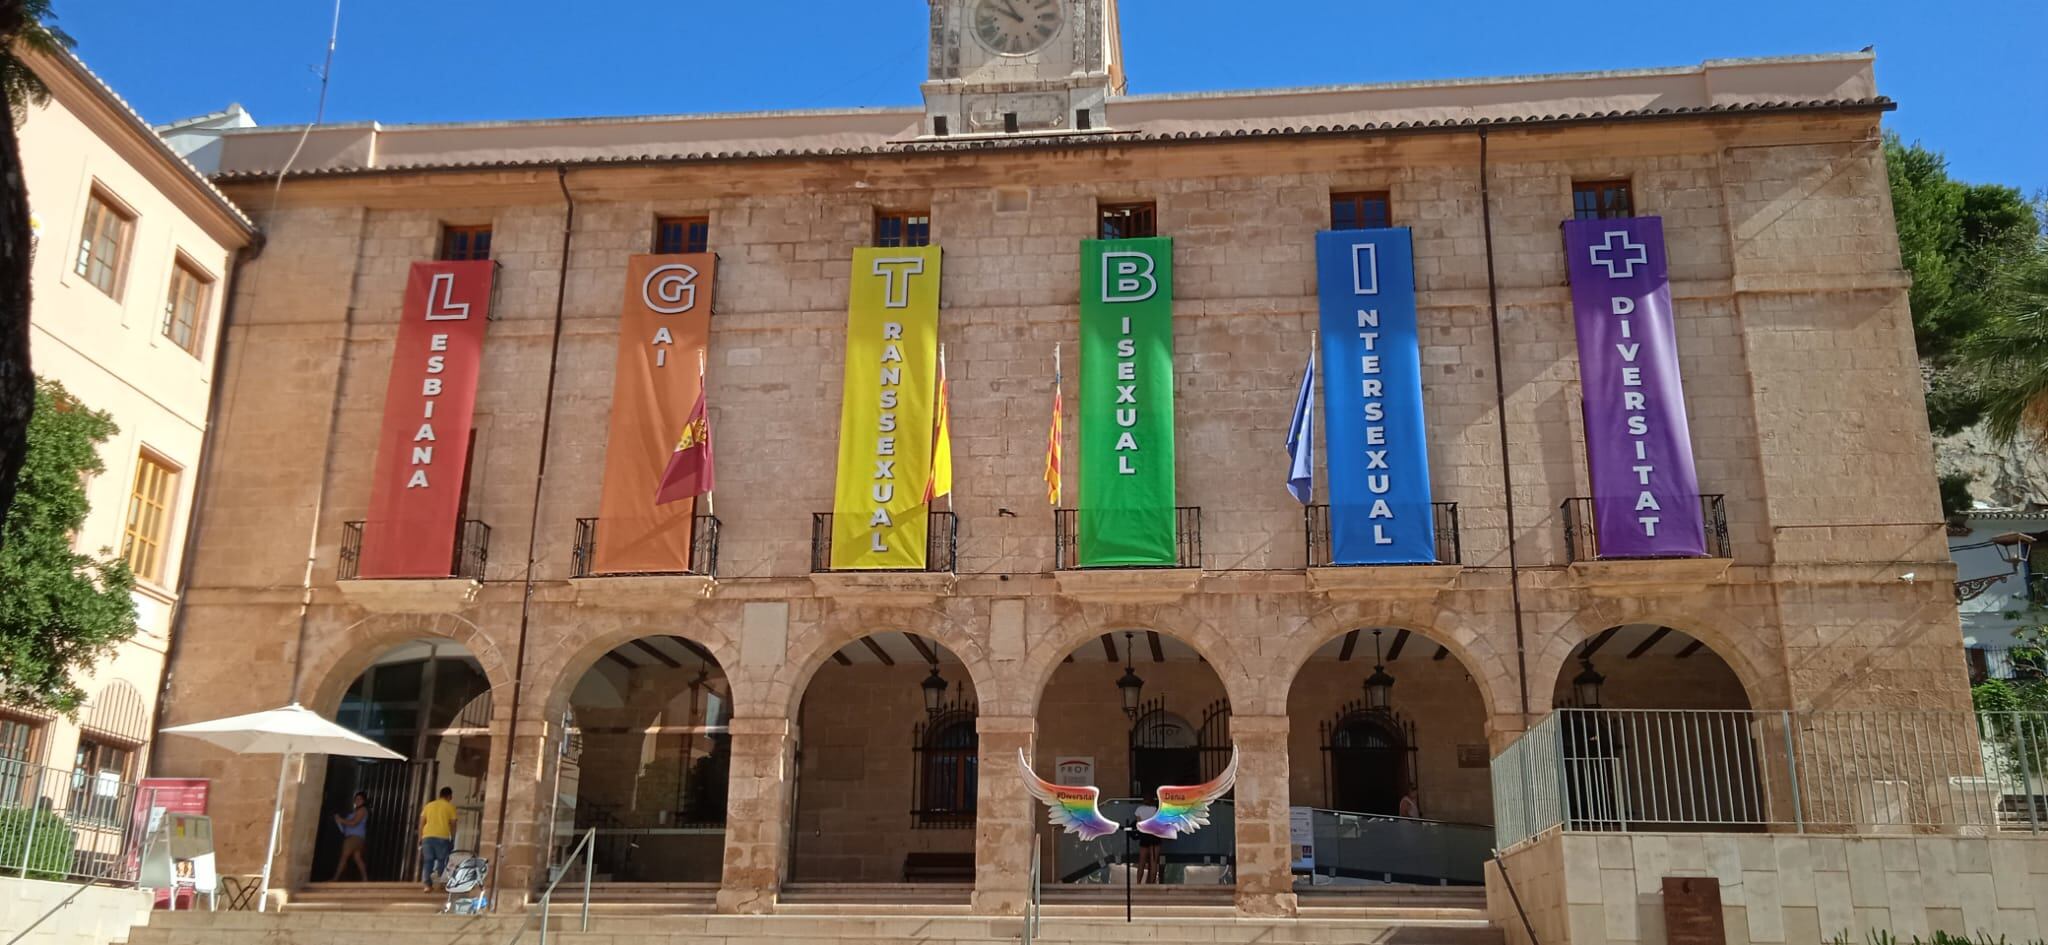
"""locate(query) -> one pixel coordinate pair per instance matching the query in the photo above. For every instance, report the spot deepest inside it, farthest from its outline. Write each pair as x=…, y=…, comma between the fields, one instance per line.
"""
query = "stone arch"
x=808, y=653
x=566, y=669
x=1491, y=670
x=1052, y=645
x=1739, y=645
x=360, y=644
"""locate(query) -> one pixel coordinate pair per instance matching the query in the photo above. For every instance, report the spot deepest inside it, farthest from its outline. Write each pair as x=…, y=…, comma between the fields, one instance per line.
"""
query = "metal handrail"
x=588, y=846
x=1031, y=907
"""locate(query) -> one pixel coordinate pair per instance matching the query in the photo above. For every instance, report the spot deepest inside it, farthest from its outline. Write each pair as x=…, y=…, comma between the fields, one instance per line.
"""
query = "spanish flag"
x=1052, y=438
x=689, y=471
x=941, y=480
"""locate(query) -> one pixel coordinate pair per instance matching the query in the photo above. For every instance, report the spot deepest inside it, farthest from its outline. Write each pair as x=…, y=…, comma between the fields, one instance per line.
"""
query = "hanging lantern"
x=1130, y=685
x=934, y=687
x=1379, y=687
x=1586, y=685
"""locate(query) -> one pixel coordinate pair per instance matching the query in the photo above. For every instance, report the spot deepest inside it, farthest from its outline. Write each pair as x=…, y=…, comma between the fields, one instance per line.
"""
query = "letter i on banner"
x=664, y=330
x=1646, y=501
x=879, y=519
x=1126, y=506
x=429, y=408
x=1380, y=511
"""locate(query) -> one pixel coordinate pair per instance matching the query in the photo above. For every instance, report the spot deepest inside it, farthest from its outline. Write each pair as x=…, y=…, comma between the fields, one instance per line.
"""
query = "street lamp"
x=1130, y=685
x=934, y=687
x=1586, y=685
x=2013, y=548
x=1379, y=687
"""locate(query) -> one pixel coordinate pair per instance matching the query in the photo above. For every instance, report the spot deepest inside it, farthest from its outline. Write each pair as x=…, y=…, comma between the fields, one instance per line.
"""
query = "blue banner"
x=1372, y=399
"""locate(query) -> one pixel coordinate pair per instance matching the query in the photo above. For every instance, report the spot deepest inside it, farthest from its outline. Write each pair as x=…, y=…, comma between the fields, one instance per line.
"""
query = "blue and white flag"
x=1301, y=437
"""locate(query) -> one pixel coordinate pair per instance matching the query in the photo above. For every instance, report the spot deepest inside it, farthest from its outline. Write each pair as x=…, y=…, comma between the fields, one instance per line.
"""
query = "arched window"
x=948, y=750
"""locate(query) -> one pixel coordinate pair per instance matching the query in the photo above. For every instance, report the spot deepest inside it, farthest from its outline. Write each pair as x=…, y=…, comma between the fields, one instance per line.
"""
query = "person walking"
x=355, y=835
x=437, y=836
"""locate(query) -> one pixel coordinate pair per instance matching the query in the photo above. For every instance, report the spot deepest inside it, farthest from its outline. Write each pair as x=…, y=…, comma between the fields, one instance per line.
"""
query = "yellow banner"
x=879, y=520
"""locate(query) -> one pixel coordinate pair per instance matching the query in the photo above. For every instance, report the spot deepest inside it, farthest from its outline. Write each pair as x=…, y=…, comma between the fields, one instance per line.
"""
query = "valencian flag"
x=1052, y=438
x=689, y=471
x=941, y=482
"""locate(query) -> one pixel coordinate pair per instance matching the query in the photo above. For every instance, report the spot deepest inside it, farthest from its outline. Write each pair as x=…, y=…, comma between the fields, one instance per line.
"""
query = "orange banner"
x=663, y=334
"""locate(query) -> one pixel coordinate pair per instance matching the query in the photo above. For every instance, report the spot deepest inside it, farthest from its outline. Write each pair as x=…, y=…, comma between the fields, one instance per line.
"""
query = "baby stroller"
x=464, y=882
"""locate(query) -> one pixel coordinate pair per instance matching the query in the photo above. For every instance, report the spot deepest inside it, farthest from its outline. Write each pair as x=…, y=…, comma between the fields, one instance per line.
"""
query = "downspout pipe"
x=1500, y=399
x=547, y=419
x=207, y=445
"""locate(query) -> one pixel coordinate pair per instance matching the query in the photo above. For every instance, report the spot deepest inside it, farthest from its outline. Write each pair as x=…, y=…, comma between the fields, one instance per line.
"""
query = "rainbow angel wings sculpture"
x=1181, y=809
x=1186, y=809
x=1069, y=806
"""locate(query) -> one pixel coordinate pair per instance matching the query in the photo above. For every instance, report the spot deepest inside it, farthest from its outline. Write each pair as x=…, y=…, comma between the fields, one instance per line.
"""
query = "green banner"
x=1127, y=494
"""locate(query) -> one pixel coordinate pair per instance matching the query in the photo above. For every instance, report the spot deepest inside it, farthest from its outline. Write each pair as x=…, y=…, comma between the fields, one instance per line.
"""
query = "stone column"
x=1265, y=877
x=520, y=855
x=1003, y=823
x=756, y=816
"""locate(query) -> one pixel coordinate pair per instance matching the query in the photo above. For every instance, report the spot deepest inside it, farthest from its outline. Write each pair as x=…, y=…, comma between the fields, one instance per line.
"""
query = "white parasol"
x=292, y=730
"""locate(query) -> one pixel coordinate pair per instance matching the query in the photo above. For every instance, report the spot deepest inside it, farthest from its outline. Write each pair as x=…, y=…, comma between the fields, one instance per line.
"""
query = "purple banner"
x=1646, y=500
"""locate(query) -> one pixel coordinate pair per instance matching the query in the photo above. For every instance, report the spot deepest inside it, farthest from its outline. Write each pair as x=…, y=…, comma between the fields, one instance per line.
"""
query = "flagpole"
x=710, y=507
x=949, y=410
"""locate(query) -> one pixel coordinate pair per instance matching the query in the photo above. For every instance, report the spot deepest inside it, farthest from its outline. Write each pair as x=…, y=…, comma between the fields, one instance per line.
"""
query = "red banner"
x=416, y=497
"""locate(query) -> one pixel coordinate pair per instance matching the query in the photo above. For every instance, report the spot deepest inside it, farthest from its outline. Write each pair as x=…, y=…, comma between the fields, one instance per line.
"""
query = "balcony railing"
x=1066, y=525
x=64, y=824
x=1445, y=515
x=2000, y=662
x=941, y=542
x=472, y=550
x=1582, y=540
x=1848, y=771
x=703, y=550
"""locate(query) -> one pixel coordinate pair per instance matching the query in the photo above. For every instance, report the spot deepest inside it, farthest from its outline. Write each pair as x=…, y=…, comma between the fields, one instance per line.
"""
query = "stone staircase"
x=1428, y=917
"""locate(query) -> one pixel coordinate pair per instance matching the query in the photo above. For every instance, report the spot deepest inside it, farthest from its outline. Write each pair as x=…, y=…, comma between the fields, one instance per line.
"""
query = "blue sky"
x=1970, y=84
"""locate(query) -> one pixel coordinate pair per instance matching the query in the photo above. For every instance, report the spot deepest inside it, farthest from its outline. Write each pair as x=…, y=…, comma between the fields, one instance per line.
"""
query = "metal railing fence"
x=1837, y=771
x=1582, y=539
x=703, y=549
x=64, y=824
x=1443, y=523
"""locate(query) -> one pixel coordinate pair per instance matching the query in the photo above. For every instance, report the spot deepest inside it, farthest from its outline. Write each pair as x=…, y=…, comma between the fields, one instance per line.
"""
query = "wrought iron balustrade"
x=472, y=550
x=1187, y=540
x=942, y=541
x=1582, y=539
x=703, y=550
x=1444, y=516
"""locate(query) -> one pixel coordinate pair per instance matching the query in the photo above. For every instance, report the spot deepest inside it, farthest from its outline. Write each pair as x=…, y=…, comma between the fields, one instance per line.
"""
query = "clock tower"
x=1020, y=66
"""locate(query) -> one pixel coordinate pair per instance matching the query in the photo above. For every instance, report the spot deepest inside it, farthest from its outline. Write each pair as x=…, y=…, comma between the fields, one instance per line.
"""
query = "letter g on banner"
x=670, y=289
x=1128, y=276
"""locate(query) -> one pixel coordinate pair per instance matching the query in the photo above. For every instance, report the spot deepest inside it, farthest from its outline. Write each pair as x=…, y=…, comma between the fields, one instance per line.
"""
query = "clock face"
x=1017, y=27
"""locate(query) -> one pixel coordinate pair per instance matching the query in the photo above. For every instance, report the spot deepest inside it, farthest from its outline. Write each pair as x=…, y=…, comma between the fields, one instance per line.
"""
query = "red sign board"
x=416, y=497
x=170, y=796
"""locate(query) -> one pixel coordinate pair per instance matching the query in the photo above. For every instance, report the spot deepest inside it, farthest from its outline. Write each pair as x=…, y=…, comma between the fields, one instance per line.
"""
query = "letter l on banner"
x=429, y=407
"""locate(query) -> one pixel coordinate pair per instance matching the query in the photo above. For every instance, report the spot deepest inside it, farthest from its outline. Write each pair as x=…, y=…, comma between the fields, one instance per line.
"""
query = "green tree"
x=2004, y=361
x=60, y=611
x=24, y=25
x=1956, y=239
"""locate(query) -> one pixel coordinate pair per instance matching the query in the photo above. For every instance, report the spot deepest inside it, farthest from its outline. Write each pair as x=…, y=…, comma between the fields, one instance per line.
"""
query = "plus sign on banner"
x=1646, y=500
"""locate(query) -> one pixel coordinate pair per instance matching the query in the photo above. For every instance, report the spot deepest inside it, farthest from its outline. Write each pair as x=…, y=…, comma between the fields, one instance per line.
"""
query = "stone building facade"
x=1794, y=338
x=133, y=251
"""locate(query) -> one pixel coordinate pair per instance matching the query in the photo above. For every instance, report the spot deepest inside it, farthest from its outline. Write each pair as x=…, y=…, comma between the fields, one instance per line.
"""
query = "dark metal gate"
x=397, y=790
x=1369, y=760
x=1166, y=750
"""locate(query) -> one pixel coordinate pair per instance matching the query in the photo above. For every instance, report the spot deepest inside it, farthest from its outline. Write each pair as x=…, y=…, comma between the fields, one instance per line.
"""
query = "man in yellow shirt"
x=437, y=836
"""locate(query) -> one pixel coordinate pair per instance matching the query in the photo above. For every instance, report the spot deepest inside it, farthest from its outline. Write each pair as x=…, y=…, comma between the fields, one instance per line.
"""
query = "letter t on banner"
x=879, y=519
